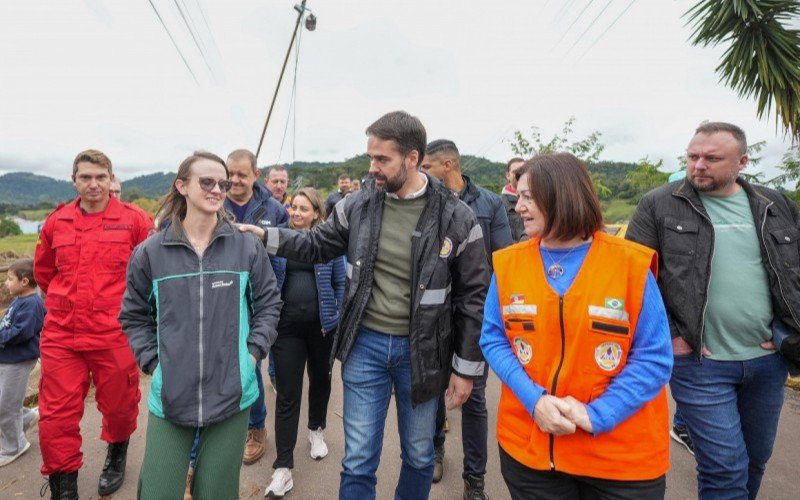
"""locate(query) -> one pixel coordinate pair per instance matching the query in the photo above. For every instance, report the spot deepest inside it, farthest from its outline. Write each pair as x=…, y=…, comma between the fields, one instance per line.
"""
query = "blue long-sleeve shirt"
x=20, y=329
x=649, y=361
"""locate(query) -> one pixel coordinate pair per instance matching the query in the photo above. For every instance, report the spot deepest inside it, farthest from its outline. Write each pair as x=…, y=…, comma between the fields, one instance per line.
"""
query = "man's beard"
x=394, y=184
x=714, y=184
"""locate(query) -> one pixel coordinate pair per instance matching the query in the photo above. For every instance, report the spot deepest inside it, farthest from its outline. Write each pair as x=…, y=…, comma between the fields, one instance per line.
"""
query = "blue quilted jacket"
x=330, y=288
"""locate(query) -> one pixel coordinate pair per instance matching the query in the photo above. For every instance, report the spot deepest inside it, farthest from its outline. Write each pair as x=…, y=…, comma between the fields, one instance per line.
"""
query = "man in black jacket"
x=342, y=189
x=729, y=273
x=443, y=161
x=417, y=279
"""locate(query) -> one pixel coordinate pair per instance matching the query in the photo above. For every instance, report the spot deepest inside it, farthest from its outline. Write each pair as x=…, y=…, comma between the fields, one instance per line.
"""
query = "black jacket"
x=672, y=220
x=491, y=214
x=449, y=280
x=514, y=220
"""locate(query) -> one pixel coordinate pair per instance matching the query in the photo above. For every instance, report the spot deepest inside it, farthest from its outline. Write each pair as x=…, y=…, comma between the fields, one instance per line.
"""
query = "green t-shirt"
x=389, y=306
x=739, y=311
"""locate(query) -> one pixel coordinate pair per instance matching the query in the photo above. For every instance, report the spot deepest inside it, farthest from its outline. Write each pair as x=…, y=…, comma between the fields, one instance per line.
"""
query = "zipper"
x=710, y=269
x=554, y=385
x=772, y=266
x=200, y=336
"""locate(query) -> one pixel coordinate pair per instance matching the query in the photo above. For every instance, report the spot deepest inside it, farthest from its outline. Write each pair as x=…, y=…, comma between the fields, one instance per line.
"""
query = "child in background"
x=19, y=349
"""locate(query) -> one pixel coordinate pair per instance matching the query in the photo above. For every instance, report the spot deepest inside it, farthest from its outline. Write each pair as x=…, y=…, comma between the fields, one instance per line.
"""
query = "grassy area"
x=35, y=214
x=616, y=211
x=21, y=245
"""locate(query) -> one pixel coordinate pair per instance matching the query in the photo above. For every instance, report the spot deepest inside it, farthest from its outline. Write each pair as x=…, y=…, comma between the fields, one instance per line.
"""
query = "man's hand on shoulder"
x=251, y=228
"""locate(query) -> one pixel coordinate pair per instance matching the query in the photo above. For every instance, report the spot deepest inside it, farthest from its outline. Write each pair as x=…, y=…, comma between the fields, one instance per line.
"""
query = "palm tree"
x=763, y=58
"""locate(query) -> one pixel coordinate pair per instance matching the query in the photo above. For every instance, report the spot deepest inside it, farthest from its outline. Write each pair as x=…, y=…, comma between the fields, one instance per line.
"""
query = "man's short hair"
x=715, y=127
x=23, y=268
x=345, y=176
x=512, y=161
x=244, y=154
x=405, y=130
x=276, y=168
x=562, y=188
x=441, y=146
x=92, y=156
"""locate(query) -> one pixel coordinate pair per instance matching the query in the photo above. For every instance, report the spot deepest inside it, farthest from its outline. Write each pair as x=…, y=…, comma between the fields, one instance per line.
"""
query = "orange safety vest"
x=575, y=346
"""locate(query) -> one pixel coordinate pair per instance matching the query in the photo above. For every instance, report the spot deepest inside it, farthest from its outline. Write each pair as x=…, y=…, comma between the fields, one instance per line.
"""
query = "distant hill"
x=26, y=189
x=150, y=185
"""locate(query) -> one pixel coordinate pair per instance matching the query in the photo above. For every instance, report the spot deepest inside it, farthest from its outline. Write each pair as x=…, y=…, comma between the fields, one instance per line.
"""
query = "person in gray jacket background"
x=200, y=309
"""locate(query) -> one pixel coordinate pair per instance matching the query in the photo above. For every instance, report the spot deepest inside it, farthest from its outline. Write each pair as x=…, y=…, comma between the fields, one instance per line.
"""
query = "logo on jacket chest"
x=608, y=355
x=447, y=248
x=221, y=284
x=523, y=350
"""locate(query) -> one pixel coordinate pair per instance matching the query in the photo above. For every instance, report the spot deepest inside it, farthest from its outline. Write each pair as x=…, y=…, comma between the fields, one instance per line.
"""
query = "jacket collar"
x=685, y=190
x=113, y=209
x=174, y=234
x=470, y=192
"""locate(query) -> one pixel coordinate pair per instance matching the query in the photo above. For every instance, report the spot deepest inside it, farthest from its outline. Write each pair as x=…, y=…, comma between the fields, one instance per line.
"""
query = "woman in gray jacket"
x=201, y=307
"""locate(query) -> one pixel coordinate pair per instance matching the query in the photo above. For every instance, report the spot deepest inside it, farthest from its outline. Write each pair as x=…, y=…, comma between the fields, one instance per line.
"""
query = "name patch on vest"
x=608, y=355
x=524, y=350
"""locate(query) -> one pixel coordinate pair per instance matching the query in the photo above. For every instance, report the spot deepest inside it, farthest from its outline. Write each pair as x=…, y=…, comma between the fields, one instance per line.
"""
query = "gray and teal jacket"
x=449, y=279
x=193, y=322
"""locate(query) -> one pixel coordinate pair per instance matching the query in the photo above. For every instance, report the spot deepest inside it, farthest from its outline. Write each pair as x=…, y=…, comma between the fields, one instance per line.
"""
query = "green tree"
x=9, y=228
x=763, y=55
x=132, y=193
x=588, y=149
x=645, y=177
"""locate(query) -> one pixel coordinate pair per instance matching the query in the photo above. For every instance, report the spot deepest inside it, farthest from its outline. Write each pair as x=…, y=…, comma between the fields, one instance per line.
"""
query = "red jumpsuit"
x=80, y=265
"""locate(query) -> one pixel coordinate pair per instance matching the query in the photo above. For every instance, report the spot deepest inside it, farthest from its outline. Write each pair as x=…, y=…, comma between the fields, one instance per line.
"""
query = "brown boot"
x=187, y=493
x=255, y=446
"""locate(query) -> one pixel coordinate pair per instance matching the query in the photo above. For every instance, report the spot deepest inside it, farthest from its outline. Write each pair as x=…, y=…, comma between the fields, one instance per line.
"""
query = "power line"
x=607, y=29
x=194, y=37
x=580, y=37
x=564, y=7
x=208, y=28
x=173, y=42
x=292, y=103
x=573, y=23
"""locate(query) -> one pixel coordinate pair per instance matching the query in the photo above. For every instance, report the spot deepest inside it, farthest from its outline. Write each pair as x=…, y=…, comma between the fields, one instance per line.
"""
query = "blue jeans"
x=731, y=409
x=375, y=363
x=258, y=412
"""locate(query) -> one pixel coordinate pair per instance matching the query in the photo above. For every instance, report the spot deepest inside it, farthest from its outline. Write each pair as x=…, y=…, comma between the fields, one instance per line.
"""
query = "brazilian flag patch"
x=616, y=304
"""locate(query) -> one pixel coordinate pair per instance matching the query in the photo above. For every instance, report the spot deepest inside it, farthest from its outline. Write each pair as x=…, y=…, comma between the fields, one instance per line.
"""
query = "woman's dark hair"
x=563, y=191
x=173, y=204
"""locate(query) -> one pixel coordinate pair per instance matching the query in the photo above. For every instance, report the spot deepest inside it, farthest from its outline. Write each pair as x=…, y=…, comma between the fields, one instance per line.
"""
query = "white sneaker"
x=34, y=419
x=7, y=459
x=281, y=483
x=319, y=449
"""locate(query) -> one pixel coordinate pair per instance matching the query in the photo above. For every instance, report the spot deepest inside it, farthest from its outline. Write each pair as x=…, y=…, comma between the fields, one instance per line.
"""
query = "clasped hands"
x=561, y=416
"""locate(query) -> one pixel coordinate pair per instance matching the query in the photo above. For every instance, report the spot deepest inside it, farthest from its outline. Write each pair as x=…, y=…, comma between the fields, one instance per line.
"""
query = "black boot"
x=114, y=469
x=63, y=486
x=473, y=488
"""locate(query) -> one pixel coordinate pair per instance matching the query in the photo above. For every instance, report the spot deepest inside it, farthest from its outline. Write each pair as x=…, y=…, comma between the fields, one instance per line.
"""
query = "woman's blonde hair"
x=313, y=197
x=172, y=207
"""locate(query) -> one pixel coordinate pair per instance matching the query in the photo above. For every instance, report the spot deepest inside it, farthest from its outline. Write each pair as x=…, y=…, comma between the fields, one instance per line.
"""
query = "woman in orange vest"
x=575, y=328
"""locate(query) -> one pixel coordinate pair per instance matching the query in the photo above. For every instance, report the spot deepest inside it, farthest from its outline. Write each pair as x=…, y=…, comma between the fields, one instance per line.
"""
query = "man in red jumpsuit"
x=80, y=263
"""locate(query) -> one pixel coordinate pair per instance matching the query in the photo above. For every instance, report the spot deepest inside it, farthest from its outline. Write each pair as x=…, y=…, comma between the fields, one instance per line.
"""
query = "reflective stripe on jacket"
x=575, y=346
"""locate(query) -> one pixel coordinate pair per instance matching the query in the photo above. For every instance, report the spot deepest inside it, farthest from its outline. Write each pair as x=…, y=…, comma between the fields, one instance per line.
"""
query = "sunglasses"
x=207, y=184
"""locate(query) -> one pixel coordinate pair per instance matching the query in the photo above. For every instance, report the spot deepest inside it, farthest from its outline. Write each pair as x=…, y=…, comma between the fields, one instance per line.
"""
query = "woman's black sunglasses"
x=207, y=184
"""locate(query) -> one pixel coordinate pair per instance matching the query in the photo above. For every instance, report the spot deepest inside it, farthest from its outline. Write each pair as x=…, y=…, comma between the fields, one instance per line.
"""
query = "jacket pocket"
x=606, y=350
x=66, y=252
x=680, y=237
x=786, y=246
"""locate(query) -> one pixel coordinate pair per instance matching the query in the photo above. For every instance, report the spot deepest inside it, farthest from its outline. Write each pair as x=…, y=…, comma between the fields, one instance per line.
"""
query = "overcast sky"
x=92, y=73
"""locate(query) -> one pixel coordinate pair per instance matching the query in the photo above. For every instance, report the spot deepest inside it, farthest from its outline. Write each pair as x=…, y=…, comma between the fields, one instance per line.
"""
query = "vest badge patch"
x=616, y=304
x=447, y=248
x=517, y=299
x=524, y=350
x=608, y=355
